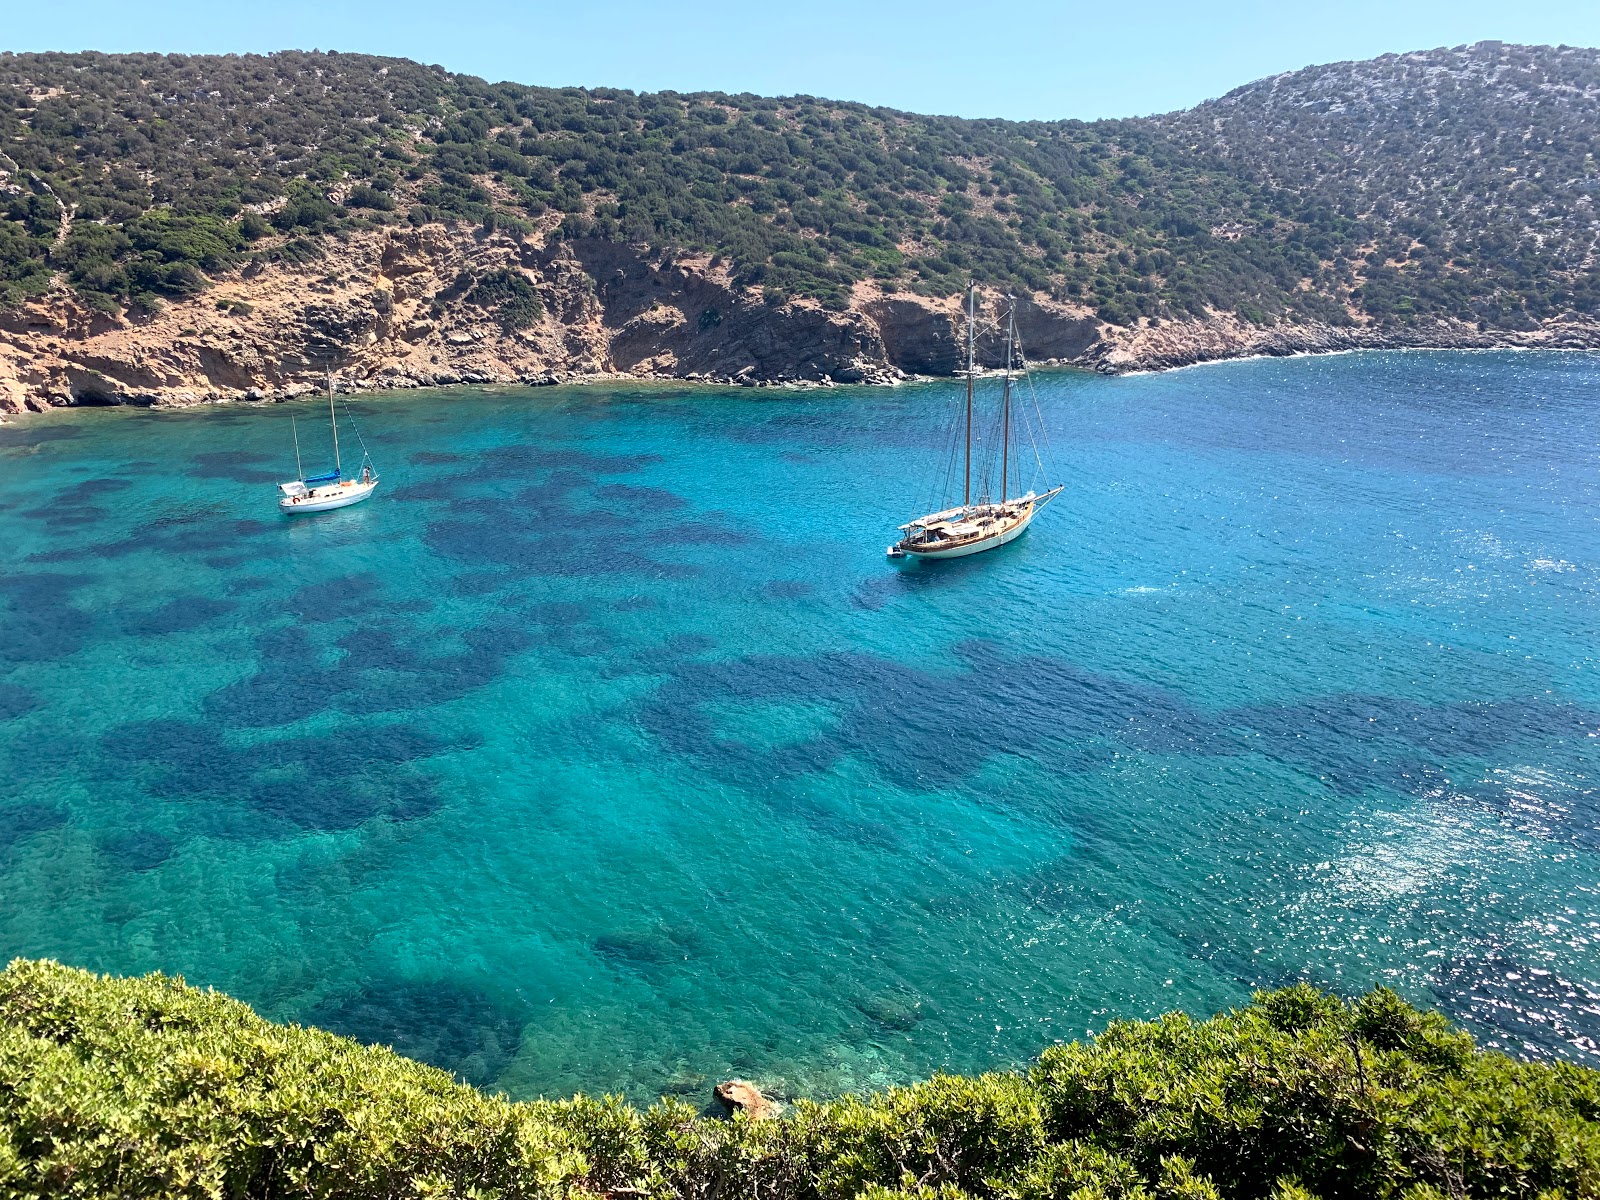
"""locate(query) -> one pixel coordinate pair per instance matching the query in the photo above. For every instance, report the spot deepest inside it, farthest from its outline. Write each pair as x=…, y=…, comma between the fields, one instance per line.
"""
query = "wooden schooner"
x=980, y=522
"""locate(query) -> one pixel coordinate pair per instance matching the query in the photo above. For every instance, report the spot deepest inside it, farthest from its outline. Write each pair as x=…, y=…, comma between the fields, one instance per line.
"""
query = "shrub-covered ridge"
x=148, y=1087
x=1455, y=183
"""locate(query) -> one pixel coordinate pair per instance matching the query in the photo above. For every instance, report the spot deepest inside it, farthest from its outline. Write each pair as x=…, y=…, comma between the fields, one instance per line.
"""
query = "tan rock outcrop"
x=393, y=308
x=738, y=1095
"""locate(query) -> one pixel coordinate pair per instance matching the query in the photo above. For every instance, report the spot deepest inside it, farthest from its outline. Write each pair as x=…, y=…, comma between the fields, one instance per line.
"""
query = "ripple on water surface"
x=604, y=750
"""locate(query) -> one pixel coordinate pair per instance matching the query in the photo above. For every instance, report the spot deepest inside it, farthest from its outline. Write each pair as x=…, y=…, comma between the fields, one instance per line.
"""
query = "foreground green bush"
x=147, y=1087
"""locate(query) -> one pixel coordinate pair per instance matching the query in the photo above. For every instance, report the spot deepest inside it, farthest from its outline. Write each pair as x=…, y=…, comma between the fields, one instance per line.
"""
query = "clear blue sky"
x=1030, y=58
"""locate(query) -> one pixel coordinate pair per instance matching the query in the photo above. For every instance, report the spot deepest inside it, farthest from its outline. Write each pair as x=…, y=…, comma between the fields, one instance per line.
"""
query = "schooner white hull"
x=971, y=529
x=978, y=547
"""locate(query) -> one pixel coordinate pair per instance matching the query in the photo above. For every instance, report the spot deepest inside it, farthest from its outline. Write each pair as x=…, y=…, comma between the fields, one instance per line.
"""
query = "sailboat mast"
x=333, y=421
x=299, y=471
x=972, y=300
x=1005, y=418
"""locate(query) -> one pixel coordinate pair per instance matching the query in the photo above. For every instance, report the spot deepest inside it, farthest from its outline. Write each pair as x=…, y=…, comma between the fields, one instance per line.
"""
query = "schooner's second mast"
x=972, y=300
x=1005, y=404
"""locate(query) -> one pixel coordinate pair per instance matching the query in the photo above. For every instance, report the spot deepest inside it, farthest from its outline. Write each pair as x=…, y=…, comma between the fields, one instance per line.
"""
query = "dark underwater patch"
x=349, y=597
x=894, y=1011
x=330, y=781
x=698, y=533
x=421, y=491
x=239, y=466
x=874, y=593
x=923, y=729
x=561, y=553
x=647, y=951
x=448, y=1025
x=188, y=535
x=828, y=821
x=289, y=684
x=926, y=729
x=137, y=850
x=428, y=458
x=20, y=821
x=16, y=700
x=1353, y=742
x=179, y=615
x=556, y=526
x=58, y=520
x=1527, y=1011
x=75, y=507
x=26, y=434
x=662, y=659
x=531, y=457
x=334, y=599
x=39, y=620
x=382, y=664
x=477, y=583
x=567, y=627
x=787, y=589
x=1569, y=813
x=652, y=499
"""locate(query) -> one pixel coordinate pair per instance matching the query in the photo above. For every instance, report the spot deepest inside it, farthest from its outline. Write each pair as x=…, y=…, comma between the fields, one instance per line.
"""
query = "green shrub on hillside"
x=509, y=295
x=146, y=1088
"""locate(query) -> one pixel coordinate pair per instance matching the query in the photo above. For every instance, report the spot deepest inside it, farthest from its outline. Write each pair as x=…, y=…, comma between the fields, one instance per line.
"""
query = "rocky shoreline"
x=400, y=309
x=1191, y=343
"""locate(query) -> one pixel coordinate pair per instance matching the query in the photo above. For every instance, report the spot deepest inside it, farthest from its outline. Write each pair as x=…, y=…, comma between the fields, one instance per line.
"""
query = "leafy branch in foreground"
x=148, y=1087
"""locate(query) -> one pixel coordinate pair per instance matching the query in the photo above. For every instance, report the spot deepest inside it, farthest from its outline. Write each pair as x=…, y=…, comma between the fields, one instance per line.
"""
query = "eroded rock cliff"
x=395, y=308
x=407, y=308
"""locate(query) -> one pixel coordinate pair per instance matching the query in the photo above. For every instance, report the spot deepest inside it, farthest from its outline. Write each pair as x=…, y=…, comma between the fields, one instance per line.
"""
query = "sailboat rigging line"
x=952, y=457
x=1044, y=431
x=349, y=416
x=299, y=471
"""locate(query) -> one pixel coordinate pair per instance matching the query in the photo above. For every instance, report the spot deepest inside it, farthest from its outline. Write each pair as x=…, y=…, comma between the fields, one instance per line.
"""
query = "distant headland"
x=177, y=229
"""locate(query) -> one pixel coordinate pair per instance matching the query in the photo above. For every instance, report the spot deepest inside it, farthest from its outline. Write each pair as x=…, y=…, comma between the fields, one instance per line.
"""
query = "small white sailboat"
x=979, y=523
x=322, y=493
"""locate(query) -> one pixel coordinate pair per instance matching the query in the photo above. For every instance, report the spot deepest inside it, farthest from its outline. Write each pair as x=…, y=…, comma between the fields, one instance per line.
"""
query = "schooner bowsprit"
x=980, y=522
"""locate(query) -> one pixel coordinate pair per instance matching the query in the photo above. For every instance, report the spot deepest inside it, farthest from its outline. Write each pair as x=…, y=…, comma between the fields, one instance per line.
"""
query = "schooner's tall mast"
x=1005, y=417
x=972, y=301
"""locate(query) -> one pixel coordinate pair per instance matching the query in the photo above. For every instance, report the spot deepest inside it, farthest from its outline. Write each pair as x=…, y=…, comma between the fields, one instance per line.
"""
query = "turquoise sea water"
x=604, y=750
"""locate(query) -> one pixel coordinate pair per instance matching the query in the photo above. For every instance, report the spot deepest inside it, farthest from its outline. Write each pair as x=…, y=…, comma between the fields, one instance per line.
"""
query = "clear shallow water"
x=604, y=750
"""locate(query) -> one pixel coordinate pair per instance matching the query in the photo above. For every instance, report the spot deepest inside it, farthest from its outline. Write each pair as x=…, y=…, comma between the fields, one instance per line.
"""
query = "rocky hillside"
x=1452, y=182
x=187, y=228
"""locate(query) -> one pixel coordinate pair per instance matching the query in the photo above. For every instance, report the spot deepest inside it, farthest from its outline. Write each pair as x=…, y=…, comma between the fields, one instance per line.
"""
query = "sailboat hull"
x=340, y=495
x=978, y=546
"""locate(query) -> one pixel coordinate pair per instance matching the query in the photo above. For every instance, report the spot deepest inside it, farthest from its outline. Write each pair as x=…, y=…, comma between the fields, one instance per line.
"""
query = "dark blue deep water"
x=604, y=750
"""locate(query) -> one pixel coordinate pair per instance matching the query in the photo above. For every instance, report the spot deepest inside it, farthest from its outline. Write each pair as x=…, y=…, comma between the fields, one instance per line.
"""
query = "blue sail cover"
x=330, y=477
